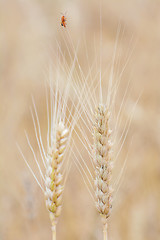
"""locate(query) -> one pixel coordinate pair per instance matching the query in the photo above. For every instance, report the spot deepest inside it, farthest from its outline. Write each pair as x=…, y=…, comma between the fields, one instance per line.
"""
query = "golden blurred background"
x=29, y=31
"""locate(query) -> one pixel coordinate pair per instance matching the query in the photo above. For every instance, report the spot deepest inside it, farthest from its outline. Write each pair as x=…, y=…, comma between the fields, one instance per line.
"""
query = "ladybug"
x=63, y=21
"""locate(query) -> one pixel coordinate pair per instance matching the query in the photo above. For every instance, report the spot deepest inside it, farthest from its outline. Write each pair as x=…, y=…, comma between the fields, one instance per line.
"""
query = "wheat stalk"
x=103, y=161
x=54, y=176
x=98, y=116
x=62, y=115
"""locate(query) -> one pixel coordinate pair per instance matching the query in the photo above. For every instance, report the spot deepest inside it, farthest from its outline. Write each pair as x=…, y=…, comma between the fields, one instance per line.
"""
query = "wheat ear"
x=54, y=177
x=103, y=161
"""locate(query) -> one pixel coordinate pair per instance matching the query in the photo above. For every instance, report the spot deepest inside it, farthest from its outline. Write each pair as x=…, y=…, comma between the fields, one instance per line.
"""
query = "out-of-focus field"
x=29, y=30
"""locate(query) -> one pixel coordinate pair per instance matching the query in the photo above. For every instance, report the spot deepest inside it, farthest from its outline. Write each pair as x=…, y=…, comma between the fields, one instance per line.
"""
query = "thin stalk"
x=53, y=232
x=105, y=234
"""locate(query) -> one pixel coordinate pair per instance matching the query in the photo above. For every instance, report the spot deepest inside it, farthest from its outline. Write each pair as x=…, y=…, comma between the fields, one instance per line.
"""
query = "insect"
x=63, y=21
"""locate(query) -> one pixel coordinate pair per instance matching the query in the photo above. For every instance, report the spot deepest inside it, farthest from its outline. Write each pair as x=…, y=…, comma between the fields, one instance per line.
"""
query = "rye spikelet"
x=103, y=161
